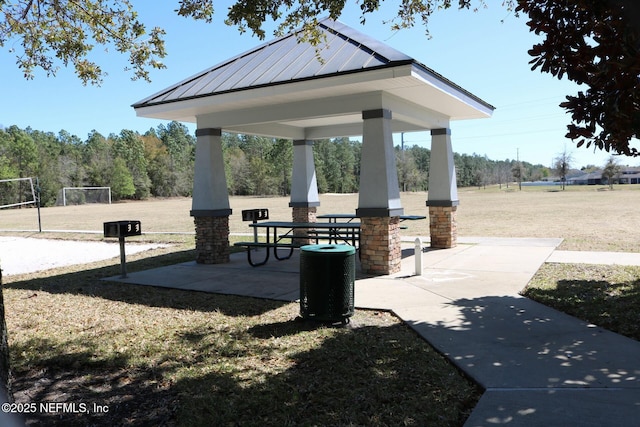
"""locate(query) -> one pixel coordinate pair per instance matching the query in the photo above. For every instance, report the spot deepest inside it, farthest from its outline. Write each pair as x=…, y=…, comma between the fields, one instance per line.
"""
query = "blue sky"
x=485, y=52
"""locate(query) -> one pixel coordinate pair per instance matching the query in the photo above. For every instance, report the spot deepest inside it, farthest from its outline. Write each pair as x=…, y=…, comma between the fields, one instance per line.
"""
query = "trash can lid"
x=333, y=249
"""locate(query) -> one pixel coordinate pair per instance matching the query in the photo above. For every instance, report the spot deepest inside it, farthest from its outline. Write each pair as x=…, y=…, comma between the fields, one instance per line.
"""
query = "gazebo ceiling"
x=281, y=89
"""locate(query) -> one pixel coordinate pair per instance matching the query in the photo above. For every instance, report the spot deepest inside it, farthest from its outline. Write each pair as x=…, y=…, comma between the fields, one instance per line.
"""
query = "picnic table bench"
x=349, y=232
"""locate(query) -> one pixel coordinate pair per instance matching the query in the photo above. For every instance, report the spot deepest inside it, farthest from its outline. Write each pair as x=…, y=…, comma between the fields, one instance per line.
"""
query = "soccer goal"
x=83, y=195
x=16, y=192
x=19, y=192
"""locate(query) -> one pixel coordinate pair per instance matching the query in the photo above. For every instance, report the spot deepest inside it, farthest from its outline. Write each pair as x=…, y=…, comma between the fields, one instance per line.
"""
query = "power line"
x=531, y=101
x=508, y=134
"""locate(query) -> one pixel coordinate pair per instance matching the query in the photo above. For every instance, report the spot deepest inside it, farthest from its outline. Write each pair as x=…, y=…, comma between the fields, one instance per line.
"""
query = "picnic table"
x=280, y=234
x=334, y=217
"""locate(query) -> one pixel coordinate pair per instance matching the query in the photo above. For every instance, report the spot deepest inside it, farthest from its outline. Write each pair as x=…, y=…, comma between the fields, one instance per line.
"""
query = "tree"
x=23, y=151
x=60, y=163
x=121, y=180
x=260, y=177
x=170, y=152
x=159, y=166
x=562, y=164
x=281, y=159
x=98, y=160
x=349, y=156
x=503, y=173
x=516, y=172
x=421, y=157
x=236, y=170
x=50, y=32
x=592, y=42
x=611, y=170
x=7, y=169
x=130, y=147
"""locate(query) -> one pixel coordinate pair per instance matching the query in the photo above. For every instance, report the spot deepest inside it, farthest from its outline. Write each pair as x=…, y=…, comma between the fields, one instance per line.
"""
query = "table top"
x=348, y=216
x=316, y=225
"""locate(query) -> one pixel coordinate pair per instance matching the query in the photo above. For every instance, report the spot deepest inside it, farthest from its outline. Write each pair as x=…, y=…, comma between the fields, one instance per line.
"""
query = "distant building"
x=592, y=178
x=627, y=175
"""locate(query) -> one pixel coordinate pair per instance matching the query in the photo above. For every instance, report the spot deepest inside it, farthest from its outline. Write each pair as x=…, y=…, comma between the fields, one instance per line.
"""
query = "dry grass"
x=607, y=296
x=172, y=357
x=586, y=217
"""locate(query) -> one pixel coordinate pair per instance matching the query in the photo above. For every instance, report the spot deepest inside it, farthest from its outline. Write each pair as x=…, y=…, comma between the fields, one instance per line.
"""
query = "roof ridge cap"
x=375, y=46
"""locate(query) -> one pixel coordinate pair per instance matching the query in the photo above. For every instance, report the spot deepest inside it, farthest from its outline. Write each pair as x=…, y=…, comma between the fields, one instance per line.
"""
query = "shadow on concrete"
x=89, y=282
x=516, y=342
x=539, y=366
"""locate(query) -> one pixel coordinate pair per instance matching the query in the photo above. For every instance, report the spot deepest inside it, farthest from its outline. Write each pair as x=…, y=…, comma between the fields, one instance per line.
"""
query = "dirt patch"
x=20, y=255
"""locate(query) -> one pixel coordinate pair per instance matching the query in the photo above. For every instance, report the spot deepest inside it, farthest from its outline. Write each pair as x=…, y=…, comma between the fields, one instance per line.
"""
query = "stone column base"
x=380, y=251
x=443, y=227
x=212, y=239
x=303, y=214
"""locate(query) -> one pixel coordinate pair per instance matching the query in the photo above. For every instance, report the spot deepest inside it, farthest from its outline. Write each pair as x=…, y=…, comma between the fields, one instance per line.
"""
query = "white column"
x=379, y=205
x=379, y=193
x=210, y=194
x=443, y=189
x=304, y=187
x=443, y=192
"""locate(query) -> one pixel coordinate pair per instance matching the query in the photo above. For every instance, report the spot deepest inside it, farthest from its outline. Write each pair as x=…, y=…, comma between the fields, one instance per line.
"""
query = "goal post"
x=19, y=192
x=83, y=195
x=16, y=192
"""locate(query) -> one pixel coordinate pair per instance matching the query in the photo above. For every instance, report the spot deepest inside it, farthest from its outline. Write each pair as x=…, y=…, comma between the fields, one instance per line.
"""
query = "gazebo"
x=353, y=86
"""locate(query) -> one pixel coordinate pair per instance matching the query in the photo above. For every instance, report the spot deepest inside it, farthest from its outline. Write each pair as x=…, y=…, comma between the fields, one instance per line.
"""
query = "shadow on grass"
x=96, y=390
x=366, y=375
x=362, y=376
x=612, y=305
x=280, y=372
x=89, y=282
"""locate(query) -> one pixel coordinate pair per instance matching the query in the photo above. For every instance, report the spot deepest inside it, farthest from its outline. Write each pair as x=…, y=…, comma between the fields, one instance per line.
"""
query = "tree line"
x=160, y=163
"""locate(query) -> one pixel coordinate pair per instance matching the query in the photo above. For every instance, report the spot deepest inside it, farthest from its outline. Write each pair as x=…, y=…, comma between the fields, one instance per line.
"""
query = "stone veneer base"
x=442, y=226
x=303, y=214
x=380, y=250
x=212, y=239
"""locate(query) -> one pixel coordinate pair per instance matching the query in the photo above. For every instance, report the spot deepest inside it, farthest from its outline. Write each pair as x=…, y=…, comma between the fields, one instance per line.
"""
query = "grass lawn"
x=587, y=217
x=170, y=357
x=607, y=296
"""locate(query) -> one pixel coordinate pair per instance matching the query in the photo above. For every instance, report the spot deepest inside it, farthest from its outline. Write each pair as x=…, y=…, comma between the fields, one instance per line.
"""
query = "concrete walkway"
x=539, y=367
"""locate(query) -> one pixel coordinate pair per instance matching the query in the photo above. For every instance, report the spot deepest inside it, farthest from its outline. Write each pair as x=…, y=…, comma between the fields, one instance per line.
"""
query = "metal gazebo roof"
x=281, y=89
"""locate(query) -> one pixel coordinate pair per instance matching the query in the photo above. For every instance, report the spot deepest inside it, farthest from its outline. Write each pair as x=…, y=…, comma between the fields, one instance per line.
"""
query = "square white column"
x=210, y=193
x=304, y=187
x=443, y=187
x=379, y=193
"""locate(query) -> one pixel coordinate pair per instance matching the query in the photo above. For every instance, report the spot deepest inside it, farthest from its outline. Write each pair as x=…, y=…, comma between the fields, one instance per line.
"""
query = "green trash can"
x=327, y=278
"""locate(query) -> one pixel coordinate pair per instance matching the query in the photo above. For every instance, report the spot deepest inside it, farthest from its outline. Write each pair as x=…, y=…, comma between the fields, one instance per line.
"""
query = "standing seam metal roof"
x=286, y=60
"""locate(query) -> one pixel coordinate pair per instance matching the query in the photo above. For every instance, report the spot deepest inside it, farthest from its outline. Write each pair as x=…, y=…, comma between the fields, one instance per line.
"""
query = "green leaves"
x=49, y=33
x=196, y=9
x=593, y=43
x=596, y=44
